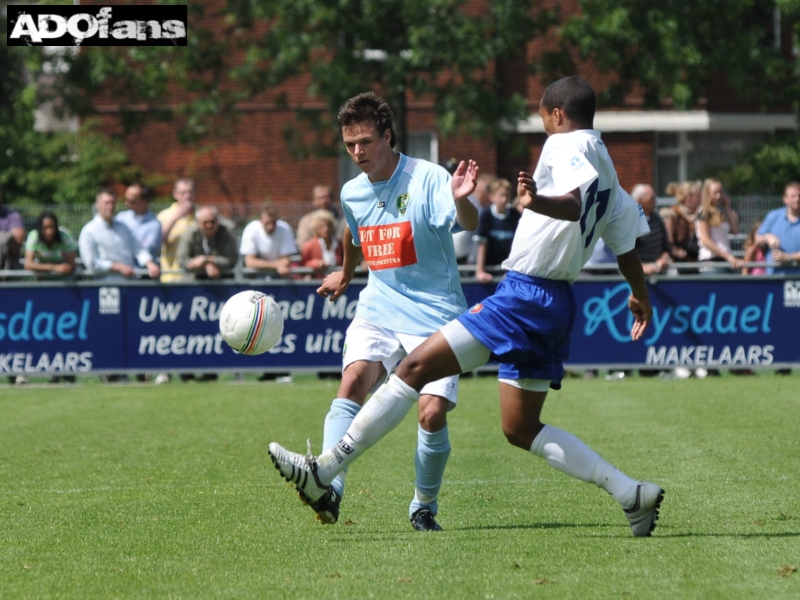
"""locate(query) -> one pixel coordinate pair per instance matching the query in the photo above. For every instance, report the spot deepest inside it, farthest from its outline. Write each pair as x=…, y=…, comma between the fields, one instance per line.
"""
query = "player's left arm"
x=464, y=181
x=639, y=301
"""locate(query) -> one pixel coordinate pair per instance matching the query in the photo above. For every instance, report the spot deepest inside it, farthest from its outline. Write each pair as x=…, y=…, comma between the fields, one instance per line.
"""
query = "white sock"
x=565, y=452
x=384, y=411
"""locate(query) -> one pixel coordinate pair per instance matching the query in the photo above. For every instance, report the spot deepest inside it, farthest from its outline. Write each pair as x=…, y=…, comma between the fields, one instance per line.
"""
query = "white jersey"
x=556, y=249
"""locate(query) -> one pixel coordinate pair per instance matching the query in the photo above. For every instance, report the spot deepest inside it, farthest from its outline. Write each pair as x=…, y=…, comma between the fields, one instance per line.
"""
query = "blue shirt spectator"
x=107, y=246
x=780, y=231
x=144, y=225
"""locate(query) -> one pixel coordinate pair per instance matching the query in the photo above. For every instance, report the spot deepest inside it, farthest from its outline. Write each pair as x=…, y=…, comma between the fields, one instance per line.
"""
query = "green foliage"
x=54, y=167
x=167, y=492
x=424, y=50
x=766, y=169
x=674, y=50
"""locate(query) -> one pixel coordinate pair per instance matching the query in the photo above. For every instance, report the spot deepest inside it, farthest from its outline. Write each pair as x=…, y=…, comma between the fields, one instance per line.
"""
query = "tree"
x=672, y=51
x=404, y=49
x=43, y=168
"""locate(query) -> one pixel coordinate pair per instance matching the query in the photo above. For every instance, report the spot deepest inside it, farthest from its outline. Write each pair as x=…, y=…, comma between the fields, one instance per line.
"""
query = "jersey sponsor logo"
x=388, y=246
x=402, y=203
x=477, y=308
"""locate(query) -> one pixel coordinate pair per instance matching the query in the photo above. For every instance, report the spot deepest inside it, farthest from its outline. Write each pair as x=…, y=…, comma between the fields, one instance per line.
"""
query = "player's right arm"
x=566, y=208
x=335, y=284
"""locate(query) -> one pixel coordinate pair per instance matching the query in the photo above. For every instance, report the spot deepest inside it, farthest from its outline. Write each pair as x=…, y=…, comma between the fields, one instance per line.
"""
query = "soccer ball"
x=251, y=322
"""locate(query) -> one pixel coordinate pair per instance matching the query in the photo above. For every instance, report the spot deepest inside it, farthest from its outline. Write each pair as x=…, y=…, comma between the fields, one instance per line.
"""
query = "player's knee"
x=521, y=436
x=433, y=416
x=353, y=387
x=413, y=372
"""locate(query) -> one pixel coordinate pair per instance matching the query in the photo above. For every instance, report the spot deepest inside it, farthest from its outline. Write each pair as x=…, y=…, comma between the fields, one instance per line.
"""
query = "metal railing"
x=242, y=274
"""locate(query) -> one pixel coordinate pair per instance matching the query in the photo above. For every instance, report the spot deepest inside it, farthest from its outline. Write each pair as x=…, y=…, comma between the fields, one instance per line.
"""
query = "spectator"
x=323, y=250
x=321, y=199
x=680, y=220
x=107, y=246
x=207, y=248
x=50, y=248
x=754, y=252
x=268, y=243
x=144, y=225
x=780, y=231
x=654, y=247
x=495, y=231
x=603, y=260
x=175, y=220
x=716, y=221
x=483, y=189
x=12, y=236
x=463, y=241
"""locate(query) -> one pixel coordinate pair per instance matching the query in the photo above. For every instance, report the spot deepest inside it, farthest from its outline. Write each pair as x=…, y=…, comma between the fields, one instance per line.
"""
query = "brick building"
x=253, y=161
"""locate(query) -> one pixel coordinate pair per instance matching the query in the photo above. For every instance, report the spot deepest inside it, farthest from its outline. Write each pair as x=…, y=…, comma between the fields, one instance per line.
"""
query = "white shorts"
x=367, y=341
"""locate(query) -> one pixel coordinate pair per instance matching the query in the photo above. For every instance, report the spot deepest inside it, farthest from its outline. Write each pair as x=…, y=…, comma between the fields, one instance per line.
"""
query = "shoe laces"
x=309, y=454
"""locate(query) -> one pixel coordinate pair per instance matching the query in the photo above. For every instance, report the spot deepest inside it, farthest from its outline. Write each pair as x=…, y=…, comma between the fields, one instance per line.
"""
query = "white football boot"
x=644, y=513
x=299, y=470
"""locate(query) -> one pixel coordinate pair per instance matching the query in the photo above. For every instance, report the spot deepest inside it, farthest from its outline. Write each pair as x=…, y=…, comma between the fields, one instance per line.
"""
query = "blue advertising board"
x=54, y=329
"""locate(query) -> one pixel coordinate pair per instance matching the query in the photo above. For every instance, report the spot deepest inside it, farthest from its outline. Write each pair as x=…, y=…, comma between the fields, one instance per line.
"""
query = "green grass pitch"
x=138, y=491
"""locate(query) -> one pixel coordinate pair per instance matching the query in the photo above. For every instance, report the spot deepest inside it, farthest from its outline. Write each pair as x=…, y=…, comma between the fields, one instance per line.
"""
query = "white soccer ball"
x=251, y=322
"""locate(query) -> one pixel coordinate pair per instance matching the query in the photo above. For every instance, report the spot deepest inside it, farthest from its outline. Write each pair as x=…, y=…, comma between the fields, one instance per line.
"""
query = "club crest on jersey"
x=402, y=203
x=381, y=204
x=477, y=308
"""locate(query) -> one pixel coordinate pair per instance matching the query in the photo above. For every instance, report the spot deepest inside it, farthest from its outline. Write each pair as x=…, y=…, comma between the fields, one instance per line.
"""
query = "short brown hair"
x=368, y=106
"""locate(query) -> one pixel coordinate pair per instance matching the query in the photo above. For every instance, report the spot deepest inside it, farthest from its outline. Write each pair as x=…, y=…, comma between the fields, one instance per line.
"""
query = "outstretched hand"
x=642, y=313
x=465, y=179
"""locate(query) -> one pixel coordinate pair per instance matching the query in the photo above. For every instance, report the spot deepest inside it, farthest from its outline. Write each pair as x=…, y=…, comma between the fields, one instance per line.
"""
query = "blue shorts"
x=526, y=324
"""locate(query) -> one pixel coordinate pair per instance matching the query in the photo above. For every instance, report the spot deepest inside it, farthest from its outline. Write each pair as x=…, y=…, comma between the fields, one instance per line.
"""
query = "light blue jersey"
x=403, y=226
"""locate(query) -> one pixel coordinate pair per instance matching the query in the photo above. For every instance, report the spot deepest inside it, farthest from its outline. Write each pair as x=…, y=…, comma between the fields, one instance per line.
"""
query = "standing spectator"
x=144, y=225
x=208, y=249
x=268, y=243
x=321, y=199
x=50, y=248
x=679, y=220
x=175, y=220
x=780, y=231
x=107, y=245
x=653, y=248
x=716, y=221
x=496, y=228
x=12, y=236
x=323, y=250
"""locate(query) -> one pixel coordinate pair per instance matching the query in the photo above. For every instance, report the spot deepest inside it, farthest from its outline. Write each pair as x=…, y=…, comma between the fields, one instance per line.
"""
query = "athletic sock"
x=433, y=450
x=339, y=417
x=565, y=452
x=379, y=415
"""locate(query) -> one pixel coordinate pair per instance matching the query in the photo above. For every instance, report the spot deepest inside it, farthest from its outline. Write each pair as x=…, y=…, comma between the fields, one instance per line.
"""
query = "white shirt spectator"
x=256, y=241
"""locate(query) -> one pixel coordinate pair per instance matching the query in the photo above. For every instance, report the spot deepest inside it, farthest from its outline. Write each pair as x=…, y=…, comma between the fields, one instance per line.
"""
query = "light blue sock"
x=338, y=419
x=433, y=450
